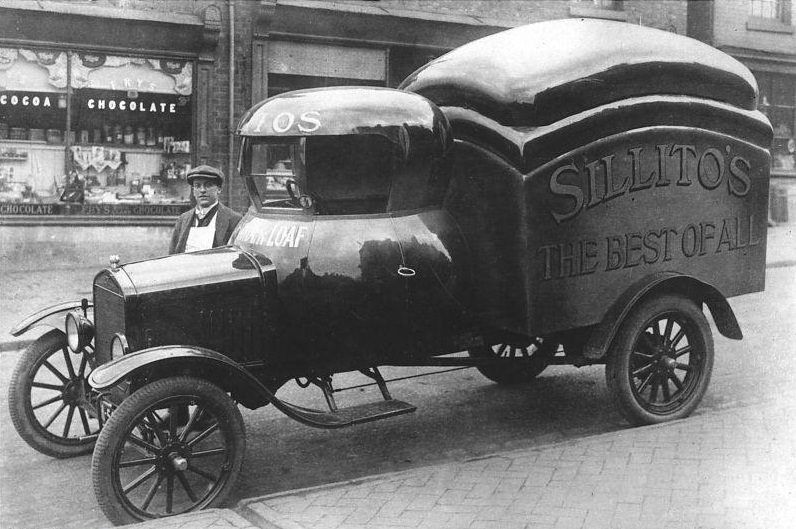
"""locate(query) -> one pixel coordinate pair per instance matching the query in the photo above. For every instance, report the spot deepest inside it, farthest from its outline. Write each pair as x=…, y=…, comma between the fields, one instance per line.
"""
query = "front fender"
x=173, y=359
x=44, y=316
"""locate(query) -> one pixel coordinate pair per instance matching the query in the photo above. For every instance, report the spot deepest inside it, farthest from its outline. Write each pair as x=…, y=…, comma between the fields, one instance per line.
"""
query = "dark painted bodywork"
x=549, y=177
x=604, y=150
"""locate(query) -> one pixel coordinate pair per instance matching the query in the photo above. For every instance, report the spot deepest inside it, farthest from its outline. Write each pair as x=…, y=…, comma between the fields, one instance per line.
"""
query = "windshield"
x=330, y=175
x=273, y=172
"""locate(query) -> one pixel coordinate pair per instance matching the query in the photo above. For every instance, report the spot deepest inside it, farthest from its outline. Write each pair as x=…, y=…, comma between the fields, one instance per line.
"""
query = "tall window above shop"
x=297, y=65
x=771, y=9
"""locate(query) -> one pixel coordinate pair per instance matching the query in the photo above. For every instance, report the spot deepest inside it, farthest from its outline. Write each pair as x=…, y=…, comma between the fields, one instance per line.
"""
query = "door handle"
x=405, y=271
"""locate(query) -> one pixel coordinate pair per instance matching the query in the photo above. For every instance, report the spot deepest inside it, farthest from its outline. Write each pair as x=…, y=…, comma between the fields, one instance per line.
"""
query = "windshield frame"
x=259, y=194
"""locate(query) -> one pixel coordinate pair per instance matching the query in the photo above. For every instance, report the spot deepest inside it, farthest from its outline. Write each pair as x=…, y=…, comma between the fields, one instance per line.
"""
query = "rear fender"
x=668, y=282
x=46, y=317
x=177, y=360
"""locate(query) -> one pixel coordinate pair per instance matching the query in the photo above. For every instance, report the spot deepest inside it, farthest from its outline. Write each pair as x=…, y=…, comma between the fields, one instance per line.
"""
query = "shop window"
x=33, y=112
x=91, y=133
x=778, y=102
x=131, y=128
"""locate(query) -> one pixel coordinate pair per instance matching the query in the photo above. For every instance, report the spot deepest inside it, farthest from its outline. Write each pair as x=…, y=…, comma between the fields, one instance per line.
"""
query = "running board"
x=372, y=411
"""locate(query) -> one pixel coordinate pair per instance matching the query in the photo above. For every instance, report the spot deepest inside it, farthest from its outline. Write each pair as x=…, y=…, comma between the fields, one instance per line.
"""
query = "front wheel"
x=48, y=398
x=174, y=446
x=660, y=362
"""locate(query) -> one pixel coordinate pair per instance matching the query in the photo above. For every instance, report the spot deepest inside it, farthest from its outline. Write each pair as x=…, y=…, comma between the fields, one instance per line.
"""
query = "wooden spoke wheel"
x=48, y=398
x=174, y=446
x=660, y=363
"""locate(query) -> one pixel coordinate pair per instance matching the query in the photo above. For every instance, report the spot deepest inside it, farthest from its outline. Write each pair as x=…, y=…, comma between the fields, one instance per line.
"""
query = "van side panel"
x=655, y=199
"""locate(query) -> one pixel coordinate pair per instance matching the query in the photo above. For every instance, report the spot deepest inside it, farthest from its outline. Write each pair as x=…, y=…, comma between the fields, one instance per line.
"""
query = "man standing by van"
x=210, y=223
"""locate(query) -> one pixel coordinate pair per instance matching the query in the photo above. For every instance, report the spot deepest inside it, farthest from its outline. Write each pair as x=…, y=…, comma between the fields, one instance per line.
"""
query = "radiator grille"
x=108, y=315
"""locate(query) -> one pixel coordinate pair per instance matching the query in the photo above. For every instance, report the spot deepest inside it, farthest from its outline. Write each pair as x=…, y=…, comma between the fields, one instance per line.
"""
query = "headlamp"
x=119, y=346
x=79, y=331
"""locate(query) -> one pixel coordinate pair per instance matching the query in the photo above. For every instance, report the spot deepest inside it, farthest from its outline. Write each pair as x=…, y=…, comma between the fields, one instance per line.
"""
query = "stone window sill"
x=769, y=25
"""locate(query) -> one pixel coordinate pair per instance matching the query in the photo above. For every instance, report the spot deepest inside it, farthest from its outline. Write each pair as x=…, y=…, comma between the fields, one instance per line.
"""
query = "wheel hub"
x=179, y=463
x=73, y=392
x=668, y=363
x=174, y=457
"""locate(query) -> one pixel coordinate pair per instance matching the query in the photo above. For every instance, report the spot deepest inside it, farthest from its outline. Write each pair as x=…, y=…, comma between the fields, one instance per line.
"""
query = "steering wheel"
x=305, y=201
x=292, y=189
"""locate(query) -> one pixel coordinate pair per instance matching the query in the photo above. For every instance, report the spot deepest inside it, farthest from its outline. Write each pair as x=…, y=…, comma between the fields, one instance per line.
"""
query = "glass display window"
x=94, y=134
x=33, y=100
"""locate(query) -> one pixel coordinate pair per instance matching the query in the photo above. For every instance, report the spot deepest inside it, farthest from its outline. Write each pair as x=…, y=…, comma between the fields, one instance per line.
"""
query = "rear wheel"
x=48, y=398
x=534, y=357
x=660, y=363
x=155, y=459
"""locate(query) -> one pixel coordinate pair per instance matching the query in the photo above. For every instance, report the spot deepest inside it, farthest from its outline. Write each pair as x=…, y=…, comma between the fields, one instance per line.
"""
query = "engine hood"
x=196, y=269
x=213, y=298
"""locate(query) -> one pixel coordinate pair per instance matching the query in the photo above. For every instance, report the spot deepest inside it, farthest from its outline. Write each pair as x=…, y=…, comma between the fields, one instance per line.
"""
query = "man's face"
x=205, y=191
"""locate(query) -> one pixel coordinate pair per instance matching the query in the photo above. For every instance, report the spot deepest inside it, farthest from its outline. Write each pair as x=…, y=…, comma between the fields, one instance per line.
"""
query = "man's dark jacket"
x=226, y=220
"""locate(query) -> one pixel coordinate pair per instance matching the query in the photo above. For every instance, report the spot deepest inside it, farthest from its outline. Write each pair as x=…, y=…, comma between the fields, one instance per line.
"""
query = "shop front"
x=103, y=110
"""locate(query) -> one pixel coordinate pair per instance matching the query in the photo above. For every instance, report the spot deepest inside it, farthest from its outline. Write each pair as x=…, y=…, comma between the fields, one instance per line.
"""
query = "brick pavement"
x=730, y=469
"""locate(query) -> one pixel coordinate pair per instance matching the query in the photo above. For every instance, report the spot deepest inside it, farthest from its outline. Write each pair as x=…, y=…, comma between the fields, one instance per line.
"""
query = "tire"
x=150, y=464
x=660, y=362
x=537, y=356
x=47, y=398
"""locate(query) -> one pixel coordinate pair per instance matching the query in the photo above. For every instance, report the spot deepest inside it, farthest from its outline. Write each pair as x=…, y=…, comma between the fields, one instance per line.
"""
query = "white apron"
x=201, y=238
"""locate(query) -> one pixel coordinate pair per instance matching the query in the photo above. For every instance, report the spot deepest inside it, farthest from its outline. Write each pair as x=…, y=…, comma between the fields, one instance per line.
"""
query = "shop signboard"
x=92, y=210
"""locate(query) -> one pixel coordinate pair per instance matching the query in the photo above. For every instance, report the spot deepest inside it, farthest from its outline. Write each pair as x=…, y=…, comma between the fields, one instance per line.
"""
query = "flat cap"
x=205, y=171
